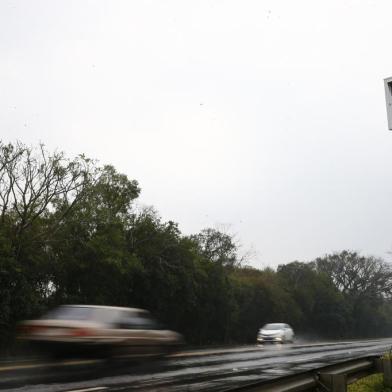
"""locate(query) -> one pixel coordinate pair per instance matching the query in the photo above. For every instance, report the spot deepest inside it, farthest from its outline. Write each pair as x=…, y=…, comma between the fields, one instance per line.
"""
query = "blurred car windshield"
x=270, y=327
x=81, y=313
x=124, y=319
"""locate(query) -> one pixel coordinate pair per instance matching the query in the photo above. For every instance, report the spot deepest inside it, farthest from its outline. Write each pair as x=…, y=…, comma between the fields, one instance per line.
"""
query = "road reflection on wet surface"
x=197, y=370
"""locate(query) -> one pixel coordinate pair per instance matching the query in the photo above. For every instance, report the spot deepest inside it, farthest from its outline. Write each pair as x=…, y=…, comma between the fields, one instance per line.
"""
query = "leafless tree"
x=33, y=182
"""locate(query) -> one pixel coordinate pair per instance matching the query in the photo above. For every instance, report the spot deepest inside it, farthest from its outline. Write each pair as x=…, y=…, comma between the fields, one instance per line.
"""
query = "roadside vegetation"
x=373, y=383
x=70, y=232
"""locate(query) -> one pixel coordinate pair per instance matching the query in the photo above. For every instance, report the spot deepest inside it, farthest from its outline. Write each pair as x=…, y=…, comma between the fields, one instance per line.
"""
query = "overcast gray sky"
x=268, y=116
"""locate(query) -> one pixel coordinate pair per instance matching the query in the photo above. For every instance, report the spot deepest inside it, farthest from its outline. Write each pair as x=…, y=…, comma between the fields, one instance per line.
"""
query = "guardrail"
x=333, y=378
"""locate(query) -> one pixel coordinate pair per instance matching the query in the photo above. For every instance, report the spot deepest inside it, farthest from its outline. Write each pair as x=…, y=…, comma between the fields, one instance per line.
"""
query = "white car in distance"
x=275, y=332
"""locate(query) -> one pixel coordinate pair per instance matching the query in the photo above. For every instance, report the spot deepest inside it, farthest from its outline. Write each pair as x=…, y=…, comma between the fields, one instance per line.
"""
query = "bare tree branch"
x=34, y=182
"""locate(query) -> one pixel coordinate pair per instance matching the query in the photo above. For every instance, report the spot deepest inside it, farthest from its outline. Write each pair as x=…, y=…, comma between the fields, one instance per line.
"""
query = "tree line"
x=70, y=232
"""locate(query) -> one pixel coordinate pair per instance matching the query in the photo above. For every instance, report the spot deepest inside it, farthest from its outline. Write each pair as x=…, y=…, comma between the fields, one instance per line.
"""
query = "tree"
x=356, y=275
x=365, y=283
x=217, y=246
x=33, y=184
x=89, y=253
x=323, y=309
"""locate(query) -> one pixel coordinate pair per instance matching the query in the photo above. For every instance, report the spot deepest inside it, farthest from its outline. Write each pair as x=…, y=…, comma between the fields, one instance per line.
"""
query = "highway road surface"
x=218, y=369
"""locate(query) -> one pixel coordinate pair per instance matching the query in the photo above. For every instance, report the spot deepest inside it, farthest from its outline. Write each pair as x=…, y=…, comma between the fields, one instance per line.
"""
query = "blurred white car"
x=276, y=332
x=75, y=329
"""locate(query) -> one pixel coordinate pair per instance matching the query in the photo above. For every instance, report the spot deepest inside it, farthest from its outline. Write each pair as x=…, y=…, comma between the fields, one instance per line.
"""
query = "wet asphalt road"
x=197, y=370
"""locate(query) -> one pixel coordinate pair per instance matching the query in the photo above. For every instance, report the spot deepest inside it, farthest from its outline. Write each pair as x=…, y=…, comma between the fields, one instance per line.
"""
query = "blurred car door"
x=138, y=334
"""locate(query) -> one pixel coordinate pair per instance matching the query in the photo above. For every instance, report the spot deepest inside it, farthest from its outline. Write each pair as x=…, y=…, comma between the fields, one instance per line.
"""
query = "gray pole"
x=388, y=98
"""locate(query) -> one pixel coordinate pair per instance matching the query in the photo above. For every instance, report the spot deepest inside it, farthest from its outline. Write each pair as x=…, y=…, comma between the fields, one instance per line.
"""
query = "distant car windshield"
x=270, y=327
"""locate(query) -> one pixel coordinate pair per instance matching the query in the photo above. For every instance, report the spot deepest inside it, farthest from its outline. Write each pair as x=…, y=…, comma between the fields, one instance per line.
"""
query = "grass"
x=373, y=383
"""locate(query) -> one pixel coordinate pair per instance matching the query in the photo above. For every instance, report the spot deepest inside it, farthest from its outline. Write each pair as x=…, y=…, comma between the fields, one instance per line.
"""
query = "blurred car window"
x=130, y=320
x=83, y=313
x=69, y=313
x=106, y=316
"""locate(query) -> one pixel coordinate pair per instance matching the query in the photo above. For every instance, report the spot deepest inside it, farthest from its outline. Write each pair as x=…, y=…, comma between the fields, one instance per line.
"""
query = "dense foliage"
x=70, y=233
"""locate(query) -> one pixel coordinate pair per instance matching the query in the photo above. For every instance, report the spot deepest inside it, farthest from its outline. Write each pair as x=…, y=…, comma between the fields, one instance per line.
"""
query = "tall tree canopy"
x=354, y=274
x=217, y=246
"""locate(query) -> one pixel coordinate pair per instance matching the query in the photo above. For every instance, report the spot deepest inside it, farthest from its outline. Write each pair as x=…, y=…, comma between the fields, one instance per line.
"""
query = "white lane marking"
x=88, y=389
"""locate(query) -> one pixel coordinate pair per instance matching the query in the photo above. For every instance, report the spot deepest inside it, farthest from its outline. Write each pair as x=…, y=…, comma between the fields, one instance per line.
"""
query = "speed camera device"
x=388, y=98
